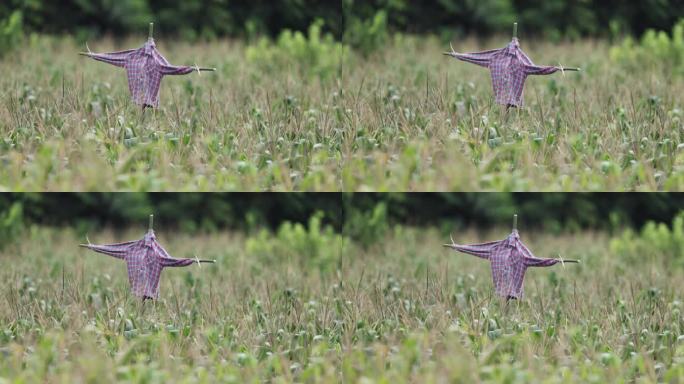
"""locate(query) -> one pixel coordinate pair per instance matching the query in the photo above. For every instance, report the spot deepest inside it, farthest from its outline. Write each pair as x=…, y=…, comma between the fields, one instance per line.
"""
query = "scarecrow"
x=145, y=67
x=509, y=69
x=509, y=260
x=145, y=259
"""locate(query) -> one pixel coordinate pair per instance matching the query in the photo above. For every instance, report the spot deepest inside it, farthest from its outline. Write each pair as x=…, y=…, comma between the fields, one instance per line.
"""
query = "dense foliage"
x=552, y=17
x=187, y=18
x=209, y=18
x=363, y=216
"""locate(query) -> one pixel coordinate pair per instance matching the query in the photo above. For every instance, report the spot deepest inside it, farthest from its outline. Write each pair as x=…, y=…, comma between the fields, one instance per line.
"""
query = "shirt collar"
x=513, y=46
x=149, y=46
x=149, y=238
x=512, y=238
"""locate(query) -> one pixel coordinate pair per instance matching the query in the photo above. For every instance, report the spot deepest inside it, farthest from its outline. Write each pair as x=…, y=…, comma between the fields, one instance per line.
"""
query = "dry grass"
x=405, y=118
x=601, y=129
x=403, y=311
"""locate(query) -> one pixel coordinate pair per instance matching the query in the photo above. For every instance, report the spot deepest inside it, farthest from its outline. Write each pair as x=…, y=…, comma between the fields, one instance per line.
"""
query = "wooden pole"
x=515, y=222
x=199, y=261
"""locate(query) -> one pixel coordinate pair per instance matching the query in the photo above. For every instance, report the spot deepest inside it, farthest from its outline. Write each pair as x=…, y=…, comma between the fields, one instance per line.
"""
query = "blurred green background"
x=358, y=211
x=571, y=18
x=188, y=18
x=365, y=26
x=212, y=18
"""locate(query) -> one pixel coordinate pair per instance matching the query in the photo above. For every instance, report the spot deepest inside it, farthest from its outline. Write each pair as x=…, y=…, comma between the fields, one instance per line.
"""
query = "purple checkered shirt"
x=145, y=67
x=145, y=259
x=509, y=67
x=509, y=259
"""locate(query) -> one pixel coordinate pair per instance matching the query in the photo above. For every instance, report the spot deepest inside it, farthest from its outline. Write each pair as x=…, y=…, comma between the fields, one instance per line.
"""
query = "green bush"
x=368, y=227
x=11, y=32
x=655, y=48
x=368, y=35
x=316, y=54
x=316, y=245
x=656, y=240
x=11, y=224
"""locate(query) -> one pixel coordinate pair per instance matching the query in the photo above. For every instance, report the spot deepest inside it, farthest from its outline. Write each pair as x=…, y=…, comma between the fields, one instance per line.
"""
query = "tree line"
x=245, y=211
x=194, y=19
x=554, y=18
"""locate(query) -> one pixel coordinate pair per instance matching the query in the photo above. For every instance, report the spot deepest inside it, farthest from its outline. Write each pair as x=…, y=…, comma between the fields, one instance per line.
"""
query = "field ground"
x=404, y=118
x=280, y=309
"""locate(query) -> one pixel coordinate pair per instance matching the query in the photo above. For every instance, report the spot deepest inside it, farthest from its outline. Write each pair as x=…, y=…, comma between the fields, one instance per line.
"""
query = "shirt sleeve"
x=479, y=58
x=117, y=59
x=118, y=250
x=531, y=69
x=167, y=261
x=480, y=250
x=175, y=70
x=531, y=260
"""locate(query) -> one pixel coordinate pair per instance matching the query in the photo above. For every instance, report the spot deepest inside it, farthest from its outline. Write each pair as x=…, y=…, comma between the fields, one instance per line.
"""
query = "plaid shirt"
x=145, y=259
x=509, y=259
x=145, y=67
x=509, y=67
